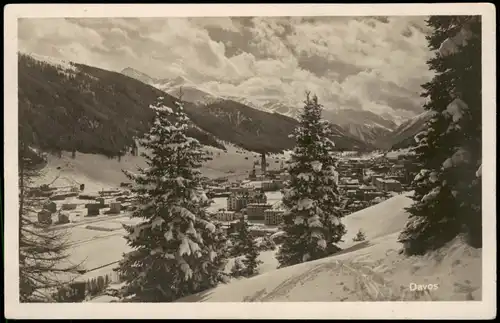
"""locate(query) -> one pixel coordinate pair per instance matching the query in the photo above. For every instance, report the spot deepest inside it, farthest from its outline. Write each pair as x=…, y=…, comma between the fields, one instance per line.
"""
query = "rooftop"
x=258, y=204
x=389, y=180
x=226, y=212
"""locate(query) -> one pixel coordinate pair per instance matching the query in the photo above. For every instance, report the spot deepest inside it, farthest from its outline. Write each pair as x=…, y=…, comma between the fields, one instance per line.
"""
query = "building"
x=376, y=178
x=235, y=202
x=367, y=193
x=256, y=197
x=273, y=217
x=225, y=215
x=239, y=189
x=352, y=182
x=388, y=185
x=273, y=185
x=392, y=185
x=238, y=201
x=278, y=184
x=370, y=196
x=284, y=176
x=255, y=211
x=344, y=188
x=351, y=193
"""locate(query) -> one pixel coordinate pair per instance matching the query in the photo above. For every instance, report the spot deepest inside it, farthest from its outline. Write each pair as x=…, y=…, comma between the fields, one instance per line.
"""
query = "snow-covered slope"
x=190, y=92
x=373, y=270
x=62, y=65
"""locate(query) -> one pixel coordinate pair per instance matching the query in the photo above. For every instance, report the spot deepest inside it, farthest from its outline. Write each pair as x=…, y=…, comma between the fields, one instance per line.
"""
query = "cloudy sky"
x=370, y=63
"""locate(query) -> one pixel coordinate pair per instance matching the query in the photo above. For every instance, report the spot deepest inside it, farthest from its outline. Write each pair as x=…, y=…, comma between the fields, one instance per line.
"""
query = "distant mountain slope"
x=364, y=125
x=403, y=136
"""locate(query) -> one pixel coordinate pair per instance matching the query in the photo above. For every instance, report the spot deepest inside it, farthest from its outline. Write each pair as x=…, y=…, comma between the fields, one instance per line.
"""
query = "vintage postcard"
x=250, y=161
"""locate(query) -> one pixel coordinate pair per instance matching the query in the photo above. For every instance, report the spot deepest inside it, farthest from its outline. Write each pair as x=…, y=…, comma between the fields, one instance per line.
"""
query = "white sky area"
x=363, y=63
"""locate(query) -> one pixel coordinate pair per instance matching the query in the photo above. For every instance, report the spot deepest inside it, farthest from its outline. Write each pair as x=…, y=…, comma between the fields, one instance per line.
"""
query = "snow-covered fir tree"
x=447, y=199
x=238, y=268
x=246, y=246
x=177, y=249
x=311, y=221
x=360, y=236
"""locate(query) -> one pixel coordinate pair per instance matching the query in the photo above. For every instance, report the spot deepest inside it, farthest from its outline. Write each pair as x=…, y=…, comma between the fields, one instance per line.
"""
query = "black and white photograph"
x=191, y=155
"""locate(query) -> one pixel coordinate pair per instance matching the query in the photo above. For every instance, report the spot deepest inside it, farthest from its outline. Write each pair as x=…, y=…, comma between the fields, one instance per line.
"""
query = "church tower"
x=263, y=163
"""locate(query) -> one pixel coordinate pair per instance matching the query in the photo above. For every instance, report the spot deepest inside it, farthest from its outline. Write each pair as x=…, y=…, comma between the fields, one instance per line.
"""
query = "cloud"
x=223, y=23
x=371, y=63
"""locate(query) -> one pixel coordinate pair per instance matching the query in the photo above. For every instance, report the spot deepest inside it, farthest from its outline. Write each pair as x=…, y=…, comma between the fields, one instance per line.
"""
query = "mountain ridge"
x=360, y=124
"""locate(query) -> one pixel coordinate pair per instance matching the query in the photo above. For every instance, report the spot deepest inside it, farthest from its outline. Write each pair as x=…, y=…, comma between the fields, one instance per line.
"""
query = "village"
x=257, y=199
x=97, y=218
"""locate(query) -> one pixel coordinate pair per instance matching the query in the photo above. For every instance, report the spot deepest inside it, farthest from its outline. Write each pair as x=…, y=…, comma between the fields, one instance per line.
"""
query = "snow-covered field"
x=394, y=154
x=373, y=270
x=98, y=172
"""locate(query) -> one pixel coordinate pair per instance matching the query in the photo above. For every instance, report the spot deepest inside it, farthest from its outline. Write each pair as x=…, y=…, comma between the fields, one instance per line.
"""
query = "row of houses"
x=254, y=212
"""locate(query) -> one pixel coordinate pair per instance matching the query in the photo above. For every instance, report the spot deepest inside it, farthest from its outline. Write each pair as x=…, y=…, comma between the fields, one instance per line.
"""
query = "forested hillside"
x=75, y=107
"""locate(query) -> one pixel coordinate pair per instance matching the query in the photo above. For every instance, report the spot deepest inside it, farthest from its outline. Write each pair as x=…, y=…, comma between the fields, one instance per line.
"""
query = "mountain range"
x=75, y=107
x=370, y=128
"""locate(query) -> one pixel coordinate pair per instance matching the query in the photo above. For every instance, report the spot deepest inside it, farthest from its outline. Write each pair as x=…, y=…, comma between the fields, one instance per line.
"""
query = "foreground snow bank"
x=373, y=270
x=374, y=273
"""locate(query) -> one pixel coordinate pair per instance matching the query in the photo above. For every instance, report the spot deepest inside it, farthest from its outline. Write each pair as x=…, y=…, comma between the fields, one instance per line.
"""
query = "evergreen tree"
x=43, y=256
x=88, y=287
x=360, y=236
x=447, y=199
x=238, y=268
x=247, y=247
x=177, y=249
x=100, y=284
x=93, y=286
x=312, y=219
